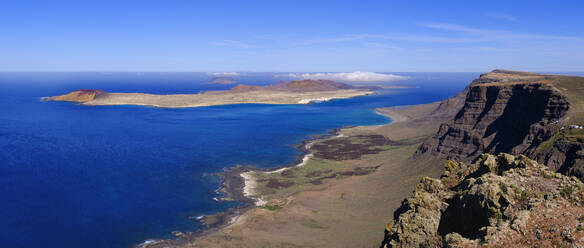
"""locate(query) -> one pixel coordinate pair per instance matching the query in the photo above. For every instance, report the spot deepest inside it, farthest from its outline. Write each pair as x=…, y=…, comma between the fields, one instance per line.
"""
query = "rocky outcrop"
x=499, y=201
x=512, y=112
x=563, y=153
x=79, y=96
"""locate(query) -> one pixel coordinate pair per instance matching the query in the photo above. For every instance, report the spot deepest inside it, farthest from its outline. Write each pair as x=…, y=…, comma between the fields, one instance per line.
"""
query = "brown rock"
x=499, y=207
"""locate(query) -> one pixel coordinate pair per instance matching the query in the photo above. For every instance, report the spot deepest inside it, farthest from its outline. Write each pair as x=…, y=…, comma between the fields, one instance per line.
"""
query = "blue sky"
x=304, y=36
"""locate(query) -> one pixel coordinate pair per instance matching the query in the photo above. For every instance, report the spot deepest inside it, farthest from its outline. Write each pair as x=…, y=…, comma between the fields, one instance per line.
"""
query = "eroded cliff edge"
x=517, y=113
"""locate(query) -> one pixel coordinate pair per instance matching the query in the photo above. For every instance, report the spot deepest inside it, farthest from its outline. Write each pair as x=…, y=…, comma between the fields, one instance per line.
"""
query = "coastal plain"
x=332, y=198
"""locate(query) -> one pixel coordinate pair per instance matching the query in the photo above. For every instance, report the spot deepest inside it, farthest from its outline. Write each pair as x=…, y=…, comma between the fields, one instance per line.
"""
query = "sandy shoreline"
x=250, y=182
x=237, y=185
x=244, y=191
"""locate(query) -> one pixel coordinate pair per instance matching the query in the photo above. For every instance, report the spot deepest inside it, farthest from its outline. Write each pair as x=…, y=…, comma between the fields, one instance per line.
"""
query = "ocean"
x=114, y=176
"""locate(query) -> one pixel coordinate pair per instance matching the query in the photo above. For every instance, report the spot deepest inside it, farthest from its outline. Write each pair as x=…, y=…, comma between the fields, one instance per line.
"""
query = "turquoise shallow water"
x=114, y=176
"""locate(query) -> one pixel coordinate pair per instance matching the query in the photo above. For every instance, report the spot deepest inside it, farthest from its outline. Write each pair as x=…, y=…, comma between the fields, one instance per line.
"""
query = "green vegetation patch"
x=292, y=179
x=551, y=141
x=312, y=174
x=567, y=191
x=273, y=207
x=353, y=147
x=575, y=135
x=312, y=224
x=326, y=164
x=516, y=189
x=573, y=88
x=496, y=213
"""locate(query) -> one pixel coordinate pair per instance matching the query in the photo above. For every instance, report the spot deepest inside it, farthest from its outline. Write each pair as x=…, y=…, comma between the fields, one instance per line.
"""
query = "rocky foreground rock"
x=499, y=201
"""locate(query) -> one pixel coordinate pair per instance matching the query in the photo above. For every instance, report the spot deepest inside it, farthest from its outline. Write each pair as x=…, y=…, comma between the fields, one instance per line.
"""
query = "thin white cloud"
x=380, y=45
x=452, y=27
x=231, y=43
x=346, y=38
x=456, y=34
x=428, y=38
x=500, y=16
x=387, y=36
x=224, y=74
x=485, y=48
x=355, y=77
x=496, y=35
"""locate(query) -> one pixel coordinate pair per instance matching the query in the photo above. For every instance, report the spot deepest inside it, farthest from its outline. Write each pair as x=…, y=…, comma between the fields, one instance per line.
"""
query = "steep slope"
x=500, y=201
x=517, y=113
x=79, y=96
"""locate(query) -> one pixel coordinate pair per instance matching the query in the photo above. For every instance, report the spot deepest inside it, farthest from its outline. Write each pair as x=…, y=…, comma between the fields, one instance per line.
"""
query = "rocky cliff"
x=512, y=112
x=499, y=201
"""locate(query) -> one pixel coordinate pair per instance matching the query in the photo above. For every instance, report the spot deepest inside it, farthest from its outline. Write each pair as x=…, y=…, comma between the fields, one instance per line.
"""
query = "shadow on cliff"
x=524, y=109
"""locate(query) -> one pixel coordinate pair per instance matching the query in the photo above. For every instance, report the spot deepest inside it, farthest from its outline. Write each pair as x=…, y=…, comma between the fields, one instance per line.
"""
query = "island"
x=222, y=80
x=293, y=92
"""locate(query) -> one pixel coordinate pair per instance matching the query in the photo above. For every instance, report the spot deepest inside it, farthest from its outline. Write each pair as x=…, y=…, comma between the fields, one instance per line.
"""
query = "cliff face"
x=510, y=112
x=500, y=201
x=563, y=152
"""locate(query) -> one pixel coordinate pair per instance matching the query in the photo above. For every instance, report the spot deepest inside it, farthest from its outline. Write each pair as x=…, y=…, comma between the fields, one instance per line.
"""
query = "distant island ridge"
x=293, y=92
x=222, y=80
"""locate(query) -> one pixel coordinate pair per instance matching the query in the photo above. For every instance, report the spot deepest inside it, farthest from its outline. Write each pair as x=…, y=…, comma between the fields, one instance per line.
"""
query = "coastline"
x=238, y=185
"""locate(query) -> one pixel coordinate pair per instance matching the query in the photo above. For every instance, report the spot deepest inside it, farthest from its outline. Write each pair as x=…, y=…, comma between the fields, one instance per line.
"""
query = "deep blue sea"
x=77, y=176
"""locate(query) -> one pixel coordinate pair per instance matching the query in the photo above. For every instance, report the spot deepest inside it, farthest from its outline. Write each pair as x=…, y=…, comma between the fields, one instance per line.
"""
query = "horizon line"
x=247, y=71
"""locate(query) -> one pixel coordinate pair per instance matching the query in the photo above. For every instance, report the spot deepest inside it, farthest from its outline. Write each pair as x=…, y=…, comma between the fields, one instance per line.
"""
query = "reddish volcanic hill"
x=309, y=85
x=79, y=96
